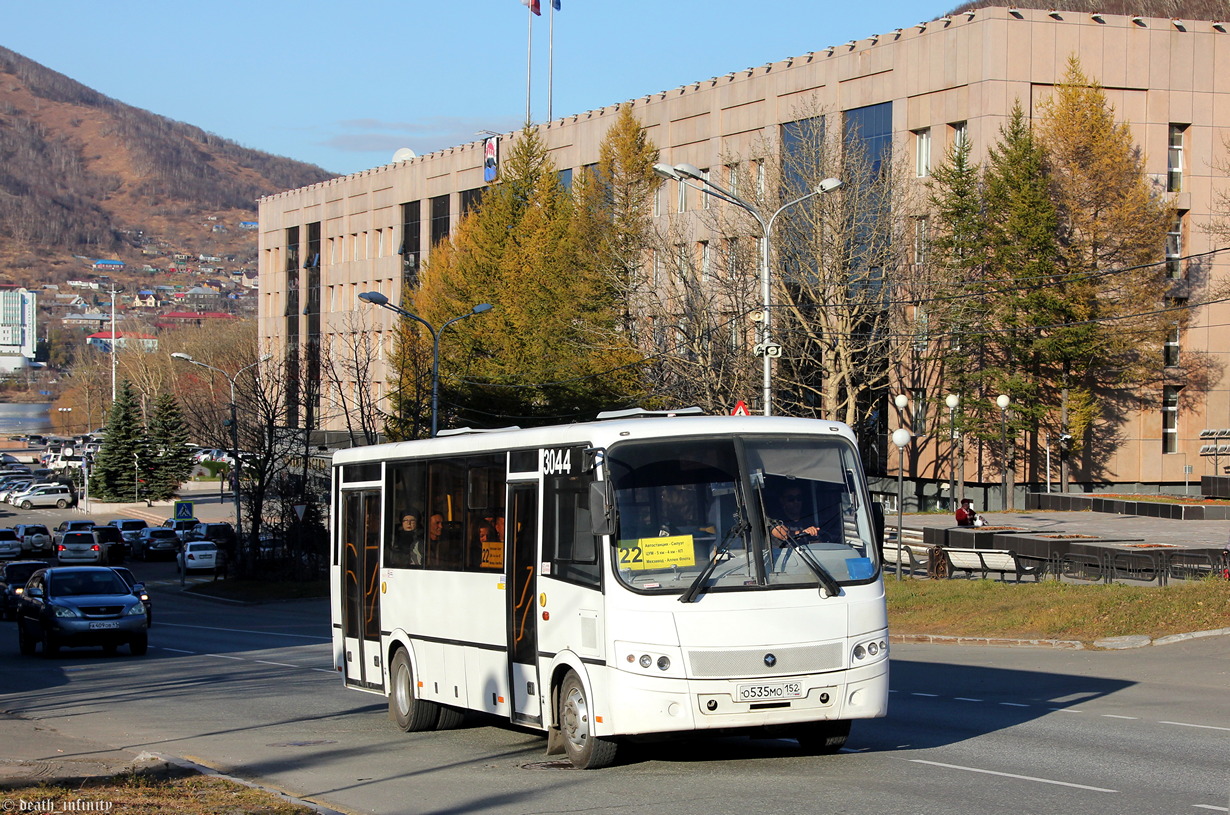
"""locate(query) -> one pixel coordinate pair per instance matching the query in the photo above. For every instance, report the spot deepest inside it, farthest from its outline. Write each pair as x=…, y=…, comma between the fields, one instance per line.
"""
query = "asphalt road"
x=249, y=690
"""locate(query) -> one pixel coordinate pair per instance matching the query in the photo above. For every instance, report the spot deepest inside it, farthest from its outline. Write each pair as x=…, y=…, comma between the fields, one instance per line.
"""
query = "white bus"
x=615, y=580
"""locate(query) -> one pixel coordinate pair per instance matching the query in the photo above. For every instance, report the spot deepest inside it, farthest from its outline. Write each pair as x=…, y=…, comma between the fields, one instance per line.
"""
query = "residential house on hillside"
x=104, y=341
x=145, y=299
x=108, y=265
x=89, y=319
x=175, y=318
x=200, y=298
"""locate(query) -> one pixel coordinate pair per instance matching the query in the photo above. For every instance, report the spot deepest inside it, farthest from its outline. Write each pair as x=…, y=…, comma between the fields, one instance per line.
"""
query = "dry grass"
x=1053, y=610
x=142, y=795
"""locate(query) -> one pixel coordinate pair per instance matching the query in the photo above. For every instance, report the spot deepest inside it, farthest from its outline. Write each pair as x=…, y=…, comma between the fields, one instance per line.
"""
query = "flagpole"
x=529, y=53
x=550, y=58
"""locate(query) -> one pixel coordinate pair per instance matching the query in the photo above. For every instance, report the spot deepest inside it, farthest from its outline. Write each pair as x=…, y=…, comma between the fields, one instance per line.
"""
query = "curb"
x=1105, y=644
x=204, y=769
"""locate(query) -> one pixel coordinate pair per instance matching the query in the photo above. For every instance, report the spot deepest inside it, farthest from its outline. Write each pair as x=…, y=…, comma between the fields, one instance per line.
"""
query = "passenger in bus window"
x=408, y=541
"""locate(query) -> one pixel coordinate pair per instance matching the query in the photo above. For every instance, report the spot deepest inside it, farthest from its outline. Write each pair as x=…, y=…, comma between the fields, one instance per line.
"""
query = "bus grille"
x=753, y=661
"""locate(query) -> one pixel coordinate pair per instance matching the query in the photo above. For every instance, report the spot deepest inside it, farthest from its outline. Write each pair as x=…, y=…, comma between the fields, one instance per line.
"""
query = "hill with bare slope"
x=82, y=174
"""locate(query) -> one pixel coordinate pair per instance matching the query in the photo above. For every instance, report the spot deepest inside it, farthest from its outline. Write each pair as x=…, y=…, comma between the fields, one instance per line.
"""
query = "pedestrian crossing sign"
x=184, y=511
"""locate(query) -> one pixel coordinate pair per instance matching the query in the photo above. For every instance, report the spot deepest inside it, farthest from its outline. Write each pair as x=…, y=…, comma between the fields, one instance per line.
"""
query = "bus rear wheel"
x=410, y=713
x=585, y=750
x=823, y=738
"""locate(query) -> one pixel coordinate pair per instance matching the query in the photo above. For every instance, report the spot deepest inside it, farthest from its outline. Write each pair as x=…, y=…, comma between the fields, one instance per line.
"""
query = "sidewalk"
x=33, y=753
x=203, y=494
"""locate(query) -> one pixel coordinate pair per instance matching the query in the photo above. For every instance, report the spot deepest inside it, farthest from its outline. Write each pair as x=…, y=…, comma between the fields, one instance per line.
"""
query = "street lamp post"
x=901, y=438
x=952, y=401
x=378, y=299
x=1002, y=401
x=767, y=349
x=234, y=430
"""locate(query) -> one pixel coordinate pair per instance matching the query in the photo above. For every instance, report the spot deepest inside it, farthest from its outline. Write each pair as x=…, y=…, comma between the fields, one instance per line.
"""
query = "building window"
x=1174, y=247
x=704, y=198
x=1170, y=351
x=1174, y=159
x=411, y=238
x=471, y=200
x=439, y=218
x=657, y=199
x=960, y=133
x=921, y=239
x=683, y=196
x=922, y=152
x=565, y=178
x=704, y=261
x=1170, y=418
x=732, y=176
x=918, y=402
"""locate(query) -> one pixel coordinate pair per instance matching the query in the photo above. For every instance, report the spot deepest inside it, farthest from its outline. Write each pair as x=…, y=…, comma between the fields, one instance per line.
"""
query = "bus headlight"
x=870, y=650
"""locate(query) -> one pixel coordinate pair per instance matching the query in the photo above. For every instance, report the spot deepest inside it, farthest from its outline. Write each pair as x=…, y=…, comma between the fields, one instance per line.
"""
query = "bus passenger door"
x=360, y=530
x=521, y=561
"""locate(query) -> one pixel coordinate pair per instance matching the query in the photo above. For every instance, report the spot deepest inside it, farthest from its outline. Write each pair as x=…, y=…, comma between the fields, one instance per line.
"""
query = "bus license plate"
x=769, y=691
x=104, y=625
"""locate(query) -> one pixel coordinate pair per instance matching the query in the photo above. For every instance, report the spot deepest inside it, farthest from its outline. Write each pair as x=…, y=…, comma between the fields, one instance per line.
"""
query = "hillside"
x=1176, y=9
x=85, y=175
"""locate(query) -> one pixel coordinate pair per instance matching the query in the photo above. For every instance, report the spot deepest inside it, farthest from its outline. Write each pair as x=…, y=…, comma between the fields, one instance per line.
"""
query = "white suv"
x=46, y=495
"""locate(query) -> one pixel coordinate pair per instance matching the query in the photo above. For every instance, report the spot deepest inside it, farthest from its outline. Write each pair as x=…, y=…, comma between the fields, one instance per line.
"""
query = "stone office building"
x=918, y=87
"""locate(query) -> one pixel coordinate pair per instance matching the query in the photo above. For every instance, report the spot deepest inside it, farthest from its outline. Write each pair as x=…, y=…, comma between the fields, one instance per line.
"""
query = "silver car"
x=33, y=537
x=45, y=495
x=80, y=547
x=10, y=544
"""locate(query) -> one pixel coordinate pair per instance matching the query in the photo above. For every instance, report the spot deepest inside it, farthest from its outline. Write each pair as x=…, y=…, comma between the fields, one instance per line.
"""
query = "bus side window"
x=568, y=539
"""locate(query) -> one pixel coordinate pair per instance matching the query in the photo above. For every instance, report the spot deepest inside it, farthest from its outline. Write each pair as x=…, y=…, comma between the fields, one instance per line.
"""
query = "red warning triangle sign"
x=740, y=409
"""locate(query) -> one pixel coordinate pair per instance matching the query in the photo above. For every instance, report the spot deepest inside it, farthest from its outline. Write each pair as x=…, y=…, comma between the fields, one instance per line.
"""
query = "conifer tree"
x=118, y=465
x=170, y=461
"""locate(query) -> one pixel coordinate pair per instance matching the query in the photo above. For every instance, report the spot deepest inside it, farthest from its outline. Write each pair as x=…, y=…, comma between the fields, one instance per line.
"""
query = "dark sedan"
x=138, y=590
x=13, y=578
x=77, y=606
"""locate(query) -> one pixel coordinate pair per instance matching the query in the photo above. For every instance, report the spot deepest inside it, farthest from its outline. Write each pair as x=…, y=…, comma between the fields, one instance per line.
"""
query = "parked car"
x=115, y=548
x=221, y=534
x=138, y=590
x=80, y=547
x=15, y=487
x=180, y=526
x=155, y=540
x=46, y=495
x=83, y=605
x=130, y=528
x=69, y=526
x=196, y=555
x=33, y=537
x=13, y=577
x=10, y=544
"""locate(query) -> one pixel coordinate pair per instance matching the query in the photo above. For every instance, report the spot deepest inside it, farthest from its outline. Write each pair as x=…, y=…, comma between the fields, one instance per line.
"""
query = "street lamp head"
x=901, y=401
x=481, y=308
x=374, y=297
x=1003, y=401
x=666, y=171
x=690, y=171
x=182, y=355
x=901, y=438
x=828, y=185
x=952, y=400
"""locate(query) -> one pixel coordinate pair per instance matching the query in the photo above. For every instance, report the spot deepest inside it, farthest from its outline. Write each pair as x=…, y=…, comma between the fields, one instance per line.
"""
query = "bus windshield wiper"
x=827, y=582
x=689, y=596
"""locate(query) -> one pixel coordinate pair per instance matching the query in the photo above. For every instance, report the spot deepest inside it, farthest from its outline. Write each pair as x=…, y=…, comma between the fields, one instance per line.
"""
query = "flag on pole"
x=533, y=6
x=555, y=4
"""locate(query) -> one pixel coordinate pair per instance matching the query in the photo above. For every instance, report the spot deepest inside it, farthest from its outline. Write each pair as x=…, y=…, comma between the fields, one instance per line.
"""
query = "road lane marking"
x=175, y=650
x=1215, y=809
x=279, y=664
x=247, y=631
x=965, y=699
x=1014, y=704
x=1201, y=726
x=1113, y=716
x=226, y=656
x=1011, y=775
x=927, y=695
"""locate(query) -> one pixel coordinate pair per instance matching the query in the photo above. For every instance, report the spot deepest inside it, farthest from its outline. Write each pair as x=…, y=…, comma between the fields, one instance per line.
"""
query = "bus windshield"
x=751, y=512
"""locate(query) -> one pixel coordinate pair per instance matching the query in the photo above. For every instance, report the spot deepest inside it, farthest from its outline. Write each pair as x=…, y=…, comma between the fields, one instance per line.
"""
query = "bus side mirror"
x=877, y=521
x=602, y=507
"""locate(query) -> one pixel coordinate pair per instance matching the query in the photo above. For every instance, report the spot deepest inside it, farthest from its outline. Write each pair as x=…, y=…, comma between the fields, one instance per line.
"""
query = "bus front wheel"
x=411, y=713
x=585, y=750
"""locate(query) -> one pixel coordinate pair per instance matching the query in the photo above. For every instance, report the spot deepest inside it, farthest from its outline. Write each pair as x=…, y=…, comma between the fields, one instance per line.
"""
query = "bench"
x=985, y=561
x=915, y=557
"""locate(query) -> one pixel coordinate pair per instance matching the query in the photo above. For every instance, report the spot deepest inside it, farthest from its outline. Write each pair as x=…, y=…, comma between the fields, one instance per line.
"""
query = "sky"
x=344, y=85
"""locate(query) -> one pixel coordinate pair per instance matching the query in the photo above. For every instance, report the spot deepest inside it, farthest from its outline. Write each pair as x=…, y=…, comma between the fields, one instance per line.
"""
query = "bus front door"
x=521, y=559
x=360, y=530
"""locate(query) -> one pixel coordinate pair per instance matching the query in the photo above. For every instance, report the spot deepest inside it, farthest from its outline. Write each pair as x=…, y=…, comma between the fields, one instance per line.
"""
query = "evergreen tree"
x=170, y=460
x=118, y=463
